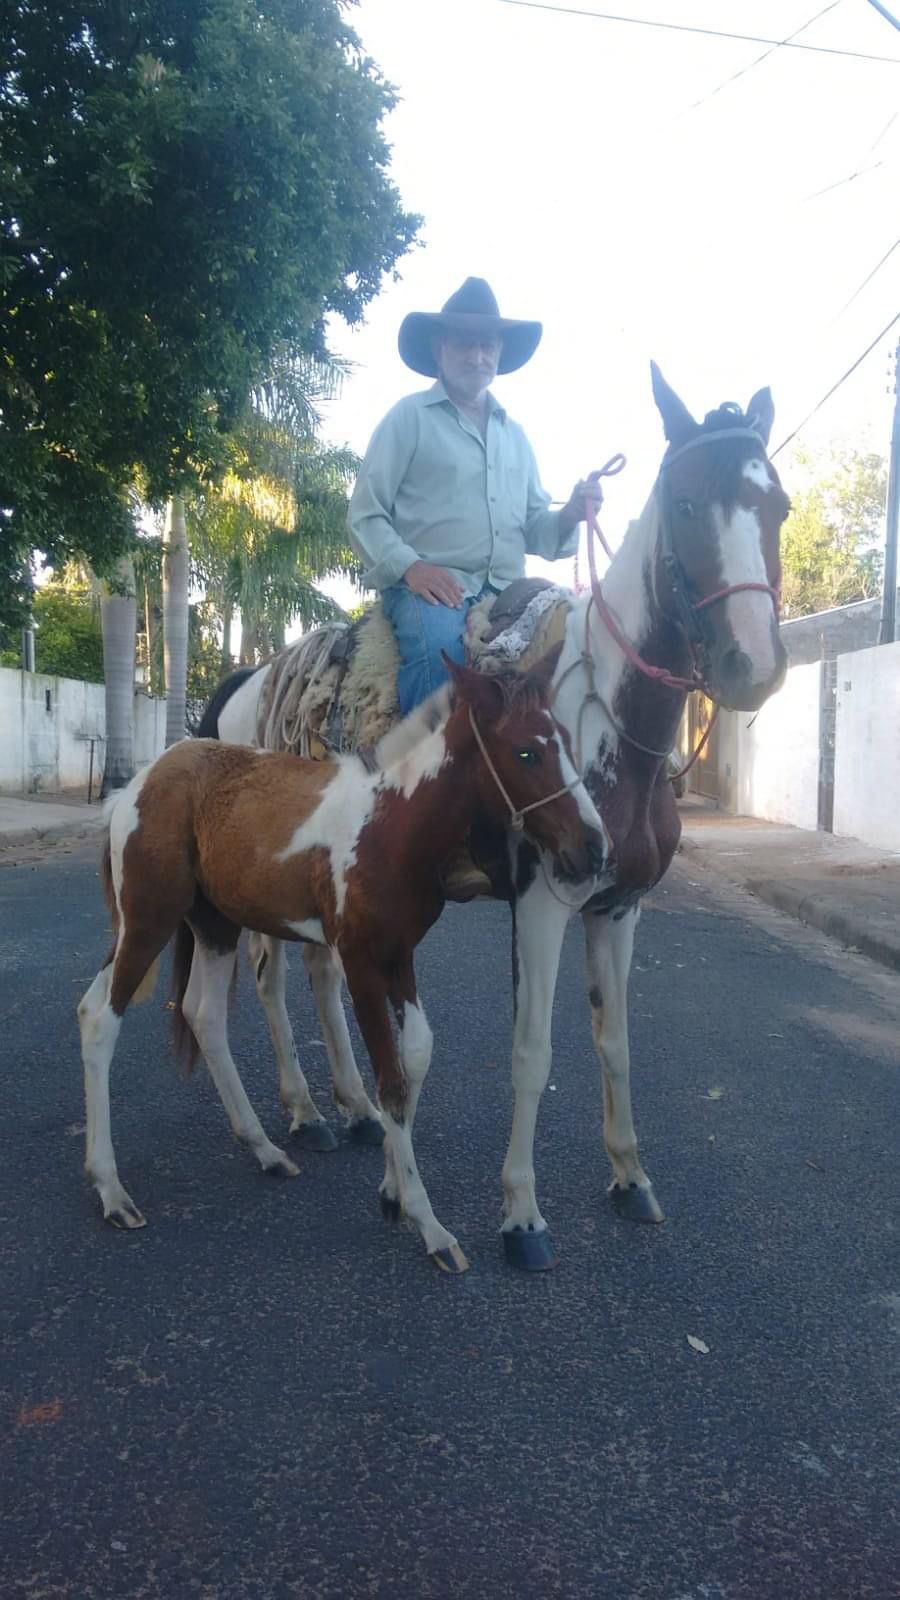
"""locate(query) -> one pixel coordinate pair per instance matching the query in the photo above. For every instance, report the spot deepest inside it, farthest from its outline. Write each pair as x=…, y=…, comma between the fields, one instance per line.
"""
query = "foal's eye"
x=685, y=508
x=528, y=756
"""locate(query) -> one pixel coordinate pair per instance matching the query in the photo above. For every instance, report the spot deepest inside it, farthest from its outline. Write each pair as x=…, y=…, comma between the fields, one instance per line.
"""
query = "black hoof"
x=636, y=1204
x=531, y=1251
x=314, y=1136
x=366, y=1131
x=390, y=1209
x=450, y=1260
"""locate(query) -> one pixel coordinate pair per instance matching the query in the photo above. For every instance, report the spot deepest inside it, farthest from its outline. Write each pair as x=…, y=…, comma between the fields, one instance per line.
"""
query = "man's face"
x=468, y=364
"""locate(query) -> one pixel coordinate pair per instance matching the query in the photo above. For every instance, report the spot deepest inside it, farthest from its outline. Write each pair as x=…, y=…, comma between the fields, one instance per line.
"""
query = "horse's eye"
x=685, y=508
x=528, y=756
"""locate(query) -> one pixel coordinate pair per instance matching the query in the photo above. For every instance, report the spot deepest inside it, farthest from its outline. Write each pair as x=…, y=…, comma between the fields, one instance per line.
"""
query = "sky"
x=609, y=181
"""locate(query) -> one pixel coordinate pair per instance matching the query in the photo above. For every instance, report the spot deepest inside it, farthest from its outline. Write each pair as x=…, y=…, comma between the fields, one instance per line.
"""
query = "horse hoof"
x=366, y=1131
x=390, y=1208
x=314, y=1136
x=450, y=1260
x=531, y=1251
x=126, y=1217
x=636, y=1204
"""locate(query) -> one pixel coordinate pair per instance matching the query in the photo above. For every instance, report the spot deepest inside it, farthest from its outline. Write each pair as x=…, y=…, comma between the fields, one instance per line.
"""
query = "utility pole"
x=889, y=592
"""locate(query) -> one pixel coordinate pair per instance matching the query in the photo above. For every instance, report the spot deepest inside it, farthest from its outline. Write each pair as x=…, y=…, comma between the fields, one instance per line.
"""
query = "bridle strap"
x=517, y=814
x=712, y=438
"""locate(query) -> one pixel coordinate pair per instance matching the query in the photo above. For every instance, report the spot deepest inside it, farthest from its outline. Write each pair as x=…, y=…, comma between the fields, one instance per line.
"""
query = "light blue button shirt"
x=432, y=489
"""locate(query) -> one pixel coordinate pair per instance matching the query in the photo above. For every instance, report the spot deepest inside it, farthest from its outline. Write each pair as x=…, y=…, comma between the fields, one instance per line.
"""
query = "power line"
x=888, y=16
x=868, y=278
x=835, y=386
x=742, y=72
x=710, y=33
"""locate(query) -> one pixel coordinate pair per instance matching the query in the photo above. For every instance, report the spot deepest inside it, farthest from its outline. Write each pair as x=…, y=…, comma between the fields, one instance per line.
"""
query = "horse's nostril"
x=596, y=854
x=736, y=666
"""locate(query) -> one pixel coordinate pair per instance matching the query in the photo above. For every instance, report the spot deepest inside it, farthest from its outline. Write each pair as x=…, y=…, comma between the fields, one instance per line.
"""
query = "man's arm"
x=372, y=534
x=549, y=534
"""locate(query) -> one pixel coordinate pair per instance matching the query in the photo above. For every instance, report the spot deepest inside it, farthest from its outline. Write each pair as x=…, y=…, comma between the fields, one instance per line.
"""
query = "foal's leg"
x=609, y=949
x=268, y=960
x=205, y=1008
x=540, y=924
x=100, y=1015
x=399, y=1085
x=323, y=966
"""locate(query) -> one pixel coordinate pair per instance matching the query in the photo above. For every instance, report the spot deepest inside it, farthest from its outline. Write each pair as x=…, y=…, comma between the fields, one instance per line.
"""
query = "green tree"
x=68, y=640
x=275, y=524
x=185, y=186
x=831, y=543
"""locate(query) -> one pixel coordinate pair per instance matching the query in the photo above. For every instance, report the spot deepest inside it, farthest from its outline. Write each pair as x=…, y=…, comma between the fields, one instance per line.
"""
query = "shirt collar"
x=438, y=394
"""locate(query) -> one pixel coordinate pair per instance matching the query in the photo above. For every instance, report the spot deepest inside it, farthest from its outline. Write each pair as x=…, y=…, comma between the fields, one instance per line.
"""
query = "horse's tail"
x=147, y=984
x=186, y=1046
x=208, y=727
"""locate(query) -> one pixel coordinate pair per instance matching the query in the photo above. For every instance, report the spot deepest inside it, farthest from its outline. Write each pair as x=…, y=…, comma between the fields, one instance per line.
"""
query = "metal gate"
x=704, y=777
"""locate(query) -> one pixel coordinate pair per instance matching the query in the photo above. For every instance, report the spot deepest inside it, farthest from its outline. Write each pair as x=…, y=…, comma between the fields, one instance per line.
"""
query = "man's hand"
x=587, y=492
x=434, y=584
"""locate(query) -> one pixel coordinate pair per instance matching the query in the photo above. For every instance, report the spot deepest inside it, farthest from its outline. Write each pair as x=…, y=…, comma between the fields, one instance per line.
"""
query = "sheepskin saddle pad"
x=336, y=688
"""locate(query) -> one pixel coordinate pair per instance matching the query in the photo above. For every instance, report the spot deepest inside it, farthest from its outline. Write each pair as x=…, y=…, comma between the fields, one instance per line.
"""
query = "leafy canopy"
x=185, y=186
x=831, y=543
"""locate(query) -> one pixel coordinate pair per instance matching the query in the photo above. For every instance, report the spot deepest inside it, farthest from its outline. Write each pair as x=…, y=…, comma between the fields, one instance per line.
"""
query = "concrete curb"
x=801, y=900
x=15, y=838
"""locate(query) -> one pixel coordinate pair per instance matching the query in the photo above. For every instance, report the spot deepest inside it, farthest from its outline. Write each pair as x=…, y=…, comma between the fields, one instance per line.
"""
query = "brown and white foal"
x=221, y=837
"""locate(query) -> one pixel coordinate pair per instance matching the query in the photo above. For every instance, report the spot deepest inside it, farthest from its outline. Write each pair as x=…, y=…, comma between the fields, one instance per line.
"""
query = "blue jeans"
x=422, y=631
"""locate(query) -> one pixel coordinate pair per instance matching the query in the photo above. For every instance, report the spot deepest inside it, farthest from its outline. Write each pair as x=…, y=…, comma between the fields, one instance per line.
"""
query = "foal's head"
x=721, y=507
x=524, y=767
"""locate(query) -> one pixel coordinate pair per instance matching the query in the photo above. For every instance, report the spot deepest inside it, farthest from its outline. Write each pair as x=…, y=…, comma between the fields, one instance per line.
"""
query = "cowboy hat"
x=471, y=310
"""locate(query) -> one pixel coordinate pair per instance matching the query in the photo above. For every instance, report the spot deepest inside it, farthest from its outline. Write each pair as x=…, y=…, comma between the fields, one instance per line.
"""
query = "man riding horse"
x=448, y=501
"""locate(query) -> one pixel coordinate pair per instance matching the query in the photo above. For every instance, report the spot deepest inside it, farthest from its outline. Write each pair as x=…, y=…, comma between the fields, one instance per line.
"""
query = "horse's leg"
x=539, y=924
x=364, y=1122
x=205, y=1008
x=400, y=1082
x=100, y=1013
x=609, y=949
x=269, y=963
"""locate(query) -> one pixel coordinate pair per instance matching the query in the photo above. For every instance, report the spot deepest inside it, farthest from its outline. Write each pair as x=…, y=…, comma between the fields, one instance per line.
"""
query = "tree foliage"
x=831, y=543
x=185, y=187
x=68, y=641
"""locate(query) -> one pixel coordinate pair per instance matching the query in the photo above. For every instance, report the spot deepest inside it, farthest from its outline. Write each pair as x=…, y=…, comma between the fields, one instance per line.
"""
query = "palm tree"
x=118, y=619
x=275, y=525
x=176, y=594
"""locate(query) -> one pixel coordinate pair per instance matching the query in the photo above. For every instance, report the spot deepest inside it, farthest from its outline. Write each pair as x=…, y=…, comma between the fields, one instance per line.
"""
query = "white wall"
x=778, y=753
x=867, y=746
x=44, y=724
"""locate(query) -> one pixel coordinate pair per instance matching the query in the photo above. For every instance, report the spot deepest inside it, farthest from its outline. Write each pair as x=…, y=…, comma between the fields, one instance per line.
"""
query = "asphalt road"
x=269, y=1392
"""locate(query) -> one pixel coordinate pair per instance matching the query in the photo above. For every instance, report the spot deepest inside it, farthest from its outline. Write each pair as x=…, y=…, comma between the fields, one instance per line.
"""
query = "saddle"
x=336, y=688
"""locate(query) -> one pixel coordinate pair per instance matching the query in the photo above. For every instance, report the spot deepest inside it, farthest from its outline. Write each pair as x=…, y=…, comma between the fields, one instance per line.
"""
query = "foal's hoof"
x=314, y=1136
x=366, y=1131
x=635, y=1204
x=531, y=1251
x=279, y=1166
x=450, y=1260
x=390, y=1208
x=126, y=1216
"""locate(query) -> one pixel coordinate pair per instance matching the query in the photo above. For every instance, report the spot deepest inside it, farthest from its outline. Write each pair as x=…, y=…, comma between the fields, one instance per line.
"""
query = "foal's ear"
x=541, y=674
x=478, y=689
x=678, y=424
x=761, y=413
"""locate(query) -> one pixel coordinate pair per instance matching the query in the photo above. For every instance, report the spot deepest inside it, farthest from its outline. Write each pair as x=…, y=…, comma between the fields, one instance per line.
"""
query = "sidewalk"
x=45, y=819
x=846, y=889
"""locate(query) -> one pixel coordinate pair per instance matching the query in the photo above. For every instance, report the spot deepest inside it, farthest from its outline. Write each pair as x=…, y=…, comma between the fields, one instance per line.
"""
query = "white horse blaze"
x=750, y=612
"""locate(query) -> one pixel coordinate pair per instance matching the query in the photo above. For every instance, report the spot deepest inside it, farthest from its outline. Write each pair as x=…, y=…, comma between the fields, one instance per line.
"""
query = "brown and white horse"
x=689, y=601
x=214, y=838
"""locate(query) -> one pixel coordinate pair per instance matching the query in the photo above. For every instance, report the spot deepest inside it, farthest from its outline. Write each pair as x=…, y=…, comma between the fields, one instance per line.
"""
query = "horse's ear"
x=761, y=413
x=541, y=674
x=478, y=689
x=678, y=424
